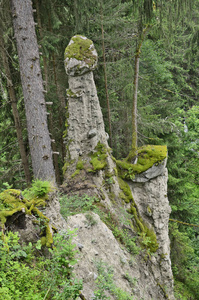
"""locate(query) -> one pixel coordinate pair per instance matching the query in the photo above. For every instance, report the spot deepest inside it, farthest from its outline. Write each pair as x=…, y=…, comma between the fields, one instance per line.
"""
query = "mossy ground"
x=12, y=201
x=147, y=156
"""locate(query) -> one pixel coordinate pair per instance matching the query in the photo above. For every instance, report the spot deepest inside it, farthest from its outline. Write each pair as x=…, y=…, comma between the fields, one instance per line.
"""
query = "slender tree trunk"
x=41, y=36
x=62, y=107
x=33, y=90
x=135, y=93
x=54, y=148
x=134, y=108
x=13, y=100
x=105, y=80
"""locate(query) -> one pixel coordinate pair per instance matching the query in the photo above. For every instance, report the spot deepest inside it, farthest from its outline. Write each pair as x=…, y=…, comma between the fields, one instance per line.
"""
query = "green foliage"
x=106, y=286
x=6, y=186
x=125, y=238
x=75, y=204
x=132, y=281
x=38, y=189
x=26, y=275
x=28, y=202
x=185, y=264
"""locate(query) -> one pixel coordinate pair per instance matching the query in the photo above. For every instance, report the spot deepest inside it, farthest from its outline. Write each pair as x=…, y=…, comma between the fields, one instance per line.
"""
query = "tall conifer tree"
x=33, y=90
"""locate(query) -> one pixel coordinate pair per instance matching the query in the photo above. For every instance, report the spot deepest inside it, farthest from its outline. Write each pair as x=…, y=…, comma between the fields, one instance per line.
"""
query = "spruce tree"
x=33, y=90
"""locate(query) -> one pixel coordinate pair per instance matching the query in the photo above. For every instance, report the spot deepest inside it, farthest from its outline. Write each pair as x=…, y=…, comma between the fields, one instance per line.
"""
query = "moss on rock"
x=142, y=228
x=80, y=57
x=126, y=191
x=147, y=156
x=12, y=201
x=98, y=158
x=81, y=48
x=145, y=231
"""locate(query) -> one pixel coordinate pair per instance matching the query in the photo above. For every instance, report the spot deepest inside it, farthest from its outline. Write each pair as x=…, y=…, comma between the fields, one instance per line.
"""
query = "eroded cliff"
x=134, y=196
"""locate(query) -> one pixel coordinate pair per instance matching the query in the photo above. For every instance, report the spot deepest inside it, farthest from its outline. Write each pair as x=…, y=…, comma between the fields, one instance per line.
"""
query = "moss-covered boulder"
x=151, y=162
x=14, y=208
x=80, y=56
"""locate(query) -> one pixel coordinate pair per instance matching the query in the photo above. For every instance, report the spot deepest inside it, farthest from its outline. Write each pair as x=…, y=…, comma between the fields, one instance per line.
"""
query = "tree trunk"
x=133, y=153
x=33, y=90
x=13, y=100
x=50, y=123
x=105, y=80
x=61, y=109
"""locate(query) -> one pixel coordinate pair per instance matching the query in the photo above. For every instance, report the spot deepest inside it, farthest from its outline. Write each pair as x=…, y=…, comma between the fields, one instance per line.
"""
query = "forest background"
x=168, y=110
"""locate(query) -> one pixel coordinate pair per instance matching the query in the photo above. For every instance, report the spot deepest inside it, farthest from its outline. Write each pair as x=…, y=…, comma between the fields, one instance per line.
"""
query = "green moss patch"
x=79, y=166
x=98, y=158
x=126, y=194
x=148, y=236
x=12, y=201
x=147, y=156
x=80, y=49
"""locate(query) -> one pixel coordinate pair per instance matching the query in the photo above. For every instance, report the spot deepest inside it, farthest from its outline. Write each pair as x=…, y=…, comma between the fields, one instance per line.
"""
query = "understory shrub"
x=26, y=273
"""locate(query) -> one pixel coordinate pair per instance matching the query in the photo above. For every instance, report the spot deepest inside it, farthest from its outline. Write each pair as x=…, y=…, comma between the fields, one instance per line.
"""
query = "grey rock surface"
x=154, y=171
x=86, y=125
x=153, y=205
x=80, y=56
x=85, y=129
x=100, y=245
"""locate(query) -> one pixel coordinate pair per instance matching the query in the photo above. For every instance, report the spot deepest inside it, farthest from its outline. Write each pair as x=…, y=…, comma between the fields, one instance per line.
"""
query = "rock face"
x=153, y=205
x=97, y=244
x=85, y=121
x=151, y=173
x=134, y=209
x=90, y=169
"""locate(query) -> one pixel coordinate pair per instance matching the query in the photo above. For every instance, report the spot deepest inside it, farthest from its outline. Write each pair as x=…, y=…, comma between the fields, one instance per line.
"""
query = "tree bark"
x=15, y=112
x=135, y=93
x=33, y=90
x=50, y=123
x=105, y=80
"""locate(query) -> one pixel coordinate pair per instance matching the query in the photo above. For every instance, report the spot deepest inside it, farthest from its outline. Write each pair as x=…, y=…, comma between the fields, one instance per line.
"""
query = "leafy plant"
x=126, y=239
x=6, y=186
x=38, y=189
x=106, y=286
x=90, y=220
x=26, y=273
x=132, y=281
x=76, y=204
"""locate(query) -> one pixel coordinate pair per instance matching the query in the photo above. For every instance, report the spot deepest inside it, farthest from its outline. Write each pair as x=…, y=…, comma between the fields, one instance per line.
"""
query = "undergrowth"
x=106, y=286
x=71, y=205
x=25, y=273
